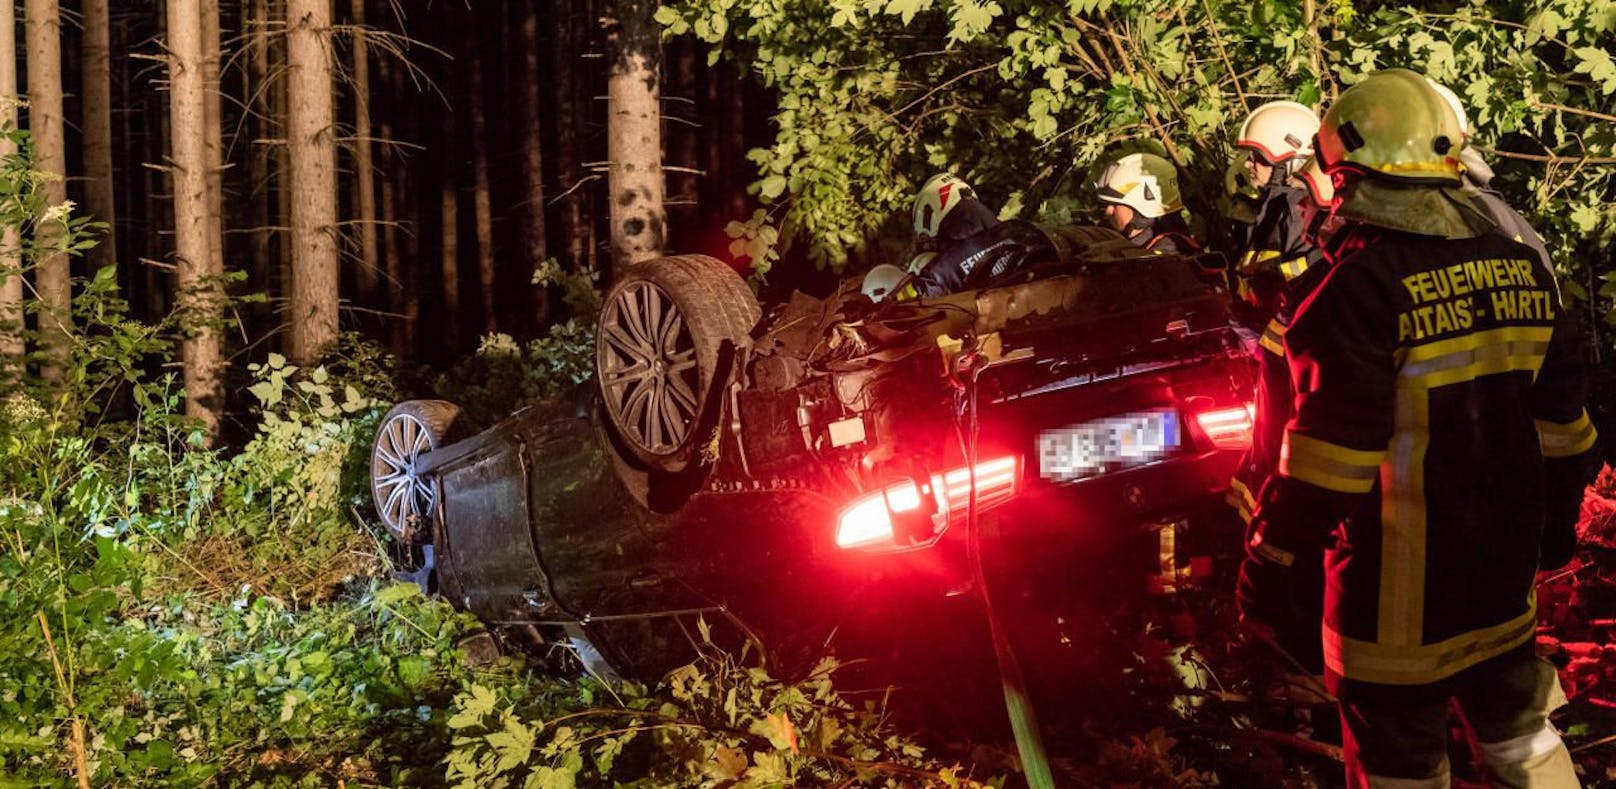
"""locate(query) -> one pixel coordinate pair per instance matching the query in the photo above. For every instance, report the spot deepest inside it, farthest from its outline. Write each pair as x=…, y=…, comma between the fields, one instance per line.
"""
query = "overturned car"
x=807, y=468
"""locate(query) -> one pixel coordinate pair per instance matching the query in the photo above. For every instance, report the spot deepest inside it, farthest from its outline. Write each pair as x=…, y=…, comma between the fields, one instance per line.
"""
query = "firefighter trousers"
x=1397, y=738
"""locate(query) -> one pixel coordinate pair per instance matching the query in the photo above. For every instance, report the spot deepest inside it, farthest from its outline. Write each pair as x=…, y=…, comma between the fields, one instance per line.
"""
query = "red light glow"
x=867, y=522
x=1228, y=428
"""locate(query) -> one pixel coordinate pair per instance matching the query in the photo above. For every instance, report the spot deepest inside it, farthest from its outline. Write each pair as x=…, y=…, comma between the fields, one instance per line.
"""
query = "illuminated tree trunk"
x=364, y=177
x=482, y=209
x=11, y=320
x=634, y=133
x=213, y=136
x=196, y=287
x=312, y=148
x=98, y=188
x=51, y=277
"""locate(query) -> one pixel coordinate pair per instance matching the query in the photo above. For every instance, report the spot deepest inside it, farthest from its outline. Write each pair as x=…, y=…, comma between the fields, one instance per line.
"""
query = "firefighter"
x=1140, y=191
x=1237, y=210
x=952, y=228
x=1277, y=138
x=1437, y=455
x=1299, y=635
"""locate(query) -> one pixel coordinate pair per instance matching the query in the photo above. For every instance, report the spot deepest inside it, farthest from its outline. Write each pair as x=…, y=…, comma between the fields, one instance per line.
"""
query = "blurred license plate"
x=1077, y=451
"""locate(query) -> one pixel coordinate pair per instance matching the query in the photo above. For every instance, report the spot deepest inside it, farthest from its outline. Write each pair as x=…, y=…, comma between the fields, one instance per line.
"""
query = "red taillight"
x=868, y=522
x=1228, y=428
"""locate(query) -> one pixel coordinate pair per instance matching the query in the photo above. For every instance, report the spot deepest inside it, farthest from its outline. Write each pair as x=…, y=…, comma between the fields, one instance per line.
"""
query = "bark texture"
x=11, y=320
x=99, y=189
x=634, y=133
x=51, y=275
x=364, y=172
x=312, y=149
x=196, y=286
x=213, y=134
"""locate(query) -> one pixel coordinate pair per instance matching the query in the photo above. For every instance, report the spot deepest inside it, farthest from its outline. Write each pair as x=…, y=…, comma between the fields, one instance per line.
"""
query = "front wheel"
x=404, y=498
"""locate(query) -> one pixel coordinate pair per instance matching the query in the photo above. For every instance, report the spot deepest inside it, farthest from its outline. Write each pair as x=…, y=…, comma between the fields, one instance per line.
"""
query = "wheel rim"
x=403, y=498
x=648, y=371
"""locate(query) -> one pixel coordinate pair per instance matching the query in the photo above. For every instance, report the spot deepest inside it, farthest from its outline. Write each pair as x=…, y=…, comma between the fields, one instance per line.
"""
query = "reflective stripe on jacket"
x=1278, y=251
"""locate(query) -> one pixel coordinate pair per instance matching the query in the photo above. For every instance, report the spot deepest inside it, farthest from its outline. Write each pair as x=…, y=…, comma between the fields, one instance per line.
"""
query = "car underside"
x=797, y=467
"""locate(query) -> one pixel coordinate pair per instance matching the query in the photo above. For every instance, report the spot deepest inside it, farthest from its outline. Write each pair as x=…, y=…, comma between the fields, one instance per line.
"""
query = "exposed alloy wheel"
x=663, y=328
x=405, y=499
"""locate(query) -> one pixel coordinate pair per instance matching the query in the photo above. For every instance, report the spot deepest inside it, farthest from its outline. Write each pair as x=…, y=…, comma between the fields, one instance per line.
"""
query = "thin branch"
x=1538, y=105
x=1551, y=159
x=584, y=180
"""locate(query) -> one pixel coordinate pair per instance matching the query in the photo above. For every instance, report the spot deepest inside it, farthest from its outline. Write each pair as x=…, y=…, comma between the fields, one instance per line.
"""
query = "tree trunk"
x=11, y=318
x=156, y=187
x=394, y=303
x=563, y=59
x=51, y=276
x=312, y=147
x=634, y=133
x=528, y=111
x=411, y=268
x=213, y=136
x=365, y=199
x=196, y=288
x=449, y=227
x=735, y=139
x=684, y=135
x=482, y=207
x=260, y=151
x=279, y=92
x=712, y=135
x=98, y=189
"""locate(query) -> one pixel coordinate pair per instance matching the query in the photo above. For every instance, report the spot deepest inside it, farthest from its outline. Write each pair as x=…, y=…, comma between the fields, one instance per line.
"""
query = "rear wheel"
x=660, y=354
x=404, y=499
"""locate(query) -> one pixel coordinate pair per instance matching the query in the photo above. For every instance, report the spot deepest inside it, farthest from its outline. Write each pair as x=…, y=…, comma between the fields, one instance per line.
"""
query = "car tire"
x=668, y=333
x=404, y=501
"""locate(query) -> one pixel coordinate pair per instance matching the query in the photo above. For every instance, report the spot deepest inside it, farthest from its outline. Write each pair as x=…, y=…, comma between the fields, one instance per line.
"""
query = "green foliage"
x=1021, y=97
x=505, y=375
x=711, y=723
x=757, y=240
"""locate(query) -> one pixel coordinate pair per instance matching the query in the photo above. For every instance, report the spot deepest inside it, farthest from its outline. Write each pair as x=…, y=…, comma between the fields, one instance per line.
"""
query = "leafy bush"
x=711, y=723
x=504, y=375
x=1022, y=97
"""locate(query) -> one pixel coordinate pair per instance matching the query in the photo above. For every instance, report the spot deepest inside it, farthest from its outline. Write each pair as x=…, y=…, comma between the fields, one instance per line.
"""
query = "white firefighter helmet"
x=939, y=196
x=1144, y=182
x=1279, y=131
x=1452, y=99
x=883, y=281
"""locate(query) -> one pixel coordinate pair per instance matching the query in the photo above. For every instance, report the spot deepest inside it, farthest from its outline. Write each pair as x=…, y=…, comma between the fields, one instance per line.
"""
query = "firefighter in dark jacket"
x=1142, y=202
x=952, y=230
x=1437, y=454
x=1277, y=138
x=1299, y=636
